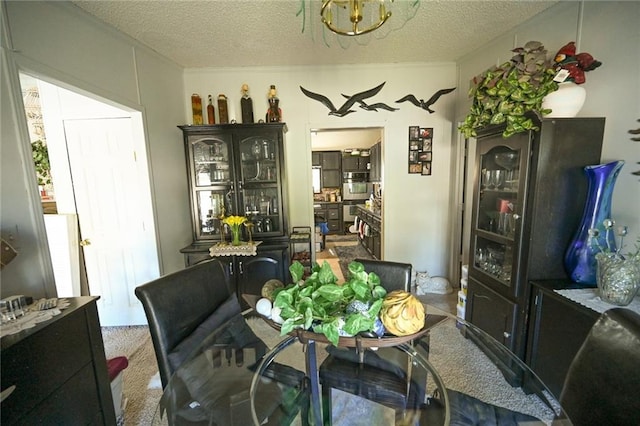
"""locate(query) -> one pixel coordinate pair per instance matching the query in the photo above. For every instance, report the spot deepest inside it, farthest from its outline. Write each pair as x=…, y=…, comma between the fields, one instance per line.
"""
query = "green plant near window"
x=506, y=93
x=41, y=161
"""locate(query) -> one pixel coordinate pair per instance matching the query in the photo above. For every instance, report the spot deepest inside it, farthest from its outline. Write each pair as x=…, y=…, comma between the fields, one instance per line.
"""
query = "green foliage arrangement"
x=507, y=92
x=320, y=304
x=41, y=161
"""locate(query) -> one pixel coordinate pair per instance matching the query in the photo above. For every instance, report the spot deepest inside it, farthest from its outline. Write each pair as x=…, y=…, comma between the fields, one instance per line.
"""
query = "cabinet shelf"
x=301, y=236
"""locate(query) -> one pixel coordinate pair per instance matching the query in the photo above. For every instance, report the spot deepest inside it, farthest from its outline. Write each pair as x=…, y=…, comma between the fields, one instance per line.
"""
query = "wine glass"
x=508, y=160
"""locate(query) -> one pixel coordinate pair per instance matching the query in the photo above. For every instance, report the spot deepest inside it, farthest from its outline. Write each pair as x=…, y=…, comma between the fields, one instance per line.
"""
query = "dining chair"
x=177, y=304
x=603, y=381
x=375, y=379
x=183, y=310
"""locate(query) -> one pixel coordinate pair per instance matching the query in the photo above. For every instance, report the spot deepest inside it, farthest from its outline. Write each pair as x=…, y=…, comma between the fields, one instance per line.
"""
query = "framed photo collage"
x=420, y=150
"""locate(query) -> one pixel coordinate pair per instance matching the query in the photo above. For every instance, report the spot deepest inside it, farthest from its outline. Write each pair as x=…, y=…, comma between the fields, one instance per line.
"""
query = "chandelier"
x=343, y=20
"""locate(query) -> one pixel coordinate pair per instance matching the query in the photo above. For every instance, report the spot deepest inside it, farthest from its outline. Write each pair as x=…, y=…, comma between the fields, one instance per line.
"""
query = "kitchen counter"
x=376, y=213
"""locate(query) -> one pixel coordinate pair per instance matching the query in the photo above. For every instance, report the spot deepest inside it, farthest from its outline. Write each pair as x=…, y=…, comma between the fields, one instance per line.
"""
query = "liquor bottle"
x=264, y=204
x=196, y=108
x=246, y=105
x=211, y=111
x=223, y=112
x=274, y=113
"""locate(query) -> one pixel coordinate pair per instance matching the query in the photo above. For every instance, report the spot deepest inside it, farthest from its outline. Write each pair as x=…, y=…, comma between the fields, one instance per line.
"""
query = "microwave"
x=356, y=190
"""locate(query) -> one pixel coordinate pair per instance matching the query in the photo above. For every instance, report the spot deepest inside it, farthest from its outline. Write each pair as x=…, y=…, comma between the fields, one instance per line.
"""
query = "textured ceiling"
x=226, y=33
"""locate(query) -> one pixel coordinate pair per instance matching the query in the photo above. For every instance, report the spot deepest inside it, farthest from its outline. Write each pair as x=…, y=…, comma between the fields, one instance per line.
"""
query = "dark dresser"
x=557, y=329
x=59, y=371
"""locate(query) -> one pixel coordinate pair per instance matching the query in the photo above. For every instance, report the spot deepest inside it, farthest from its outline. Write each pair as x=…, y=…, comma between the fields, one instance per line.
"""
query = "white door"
x=113, y=202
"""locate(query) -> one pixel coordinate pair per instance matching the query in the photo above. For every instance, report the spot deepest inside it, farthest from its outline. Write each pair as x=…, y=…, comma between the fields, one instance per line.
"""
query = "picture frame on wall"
x=420, y=156
x=414, y=133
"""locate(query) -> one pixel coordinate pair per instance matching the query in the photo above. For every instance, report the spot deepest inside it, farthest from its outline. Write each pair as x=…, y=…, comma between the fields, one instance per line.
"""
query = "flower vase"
x=618, y=278
x=567, y=101
x=580, y=257
x=235, y=234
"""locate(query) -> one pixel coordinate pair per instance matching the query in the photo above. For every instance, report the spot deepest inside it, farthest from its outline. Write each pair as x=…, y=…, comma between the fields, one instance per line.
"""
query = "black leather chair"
x=603, y=382
x=176, y=304
x=375, y=379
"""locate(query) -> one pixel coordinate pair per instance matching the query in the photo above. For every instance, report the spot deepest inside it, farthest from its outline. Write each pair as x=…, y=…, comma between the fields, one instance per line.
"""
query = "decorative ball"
x=270, y=287
x=402, y=313
x=263, y=307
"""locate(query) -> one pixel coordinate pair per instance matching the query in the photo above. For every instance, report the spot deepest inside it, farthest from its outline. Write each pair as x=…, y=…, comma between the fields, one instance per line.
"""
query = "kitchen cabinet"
x=238, y=169
x=557, y=329
x=375, y=160
x=59, y=371
x=370, y=231
x=332, y=213
x=528, y=194
x=330, y=163
x=355, y=163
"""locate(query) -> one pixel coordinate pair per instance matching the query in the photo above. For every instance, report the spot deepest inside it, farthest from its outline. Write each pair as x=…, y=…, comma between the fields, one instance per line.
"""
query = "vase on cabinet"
x=618, y=278
x=580, y=258
x=567, y=101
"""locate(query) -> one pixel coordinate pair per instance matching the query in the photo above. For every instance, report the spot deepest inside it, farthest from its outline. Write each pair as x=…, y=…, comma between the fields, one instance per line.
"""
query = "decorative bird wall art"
x=426, y=105
x=635, y=139
x=373, y=107
x=345, y=108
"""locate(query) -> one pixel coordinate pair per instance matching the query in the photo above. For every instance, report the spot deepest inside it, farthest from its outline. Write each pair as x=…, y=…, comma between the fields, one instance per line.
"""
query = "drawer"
x=38, y=365
x=334, y=214
x=79, y=392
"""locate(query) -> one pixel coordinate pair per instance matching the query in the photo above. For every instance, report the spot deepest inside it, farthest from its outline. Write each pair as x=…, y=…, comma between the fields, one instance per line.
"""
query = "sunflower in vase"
x=235, y=223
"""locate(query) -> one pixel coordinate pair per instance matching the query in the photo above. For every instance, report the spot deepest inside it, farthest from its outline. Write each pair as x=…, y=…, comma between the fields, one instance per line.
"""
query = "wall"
x=59, y=43
x=610, y=32
x=415, y=207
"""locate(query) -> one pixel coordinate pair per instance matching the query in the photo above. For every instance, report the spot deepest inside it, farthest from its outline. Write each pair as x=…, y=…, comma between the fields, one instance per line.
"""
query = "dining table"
x=247, y=372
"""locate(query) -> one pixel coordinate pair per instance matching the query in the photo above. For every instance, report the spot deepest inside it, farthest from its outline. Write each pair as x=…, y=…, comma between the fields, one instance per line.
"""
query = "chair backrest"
x=393, y=275
x=603, y=382
x=177, y=303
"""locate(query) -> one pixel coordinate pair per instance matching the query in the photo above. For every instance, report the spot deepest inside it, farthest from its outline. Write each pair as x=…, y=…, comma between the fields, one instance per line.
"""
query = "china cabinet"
x=238, y=169
x=528, y=194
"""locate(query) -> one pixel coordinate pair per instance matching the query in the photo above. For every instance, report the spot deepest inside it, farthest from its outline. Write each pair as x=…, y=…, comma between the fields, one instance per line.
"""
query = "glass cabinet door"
x=498, y=212
x=211, y=159
x=258, y=156
x=212, y=205
x=260, y=195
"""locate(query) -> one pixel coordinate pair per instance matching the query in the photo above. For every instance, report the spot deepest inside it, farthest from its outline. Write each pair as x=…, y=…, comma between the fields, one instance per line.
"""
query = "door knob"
x=85, y=242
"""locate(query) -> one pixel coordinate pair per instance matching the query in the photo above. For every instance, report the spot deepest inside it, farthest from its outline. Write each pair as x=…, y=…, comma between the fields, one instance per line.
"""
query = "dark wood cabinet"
x=238, y=169
x=375, y=160
x=371, y=237
x=355, y=163
x=557, y=329
x=59, y=371
x=332, y=213
x=529, y=191
x=331, y=167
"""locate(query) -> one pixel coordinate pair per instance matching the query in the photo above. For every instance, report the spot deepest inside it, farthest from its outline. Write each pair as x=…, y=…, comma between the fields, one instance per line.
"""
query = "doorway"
x=99, y=182
x=355, y=142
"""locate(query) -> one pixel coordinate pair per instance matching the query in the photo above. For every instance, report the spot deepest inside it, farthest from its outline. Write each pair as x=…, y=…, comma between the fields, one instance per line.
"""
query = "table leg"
x=312, y=373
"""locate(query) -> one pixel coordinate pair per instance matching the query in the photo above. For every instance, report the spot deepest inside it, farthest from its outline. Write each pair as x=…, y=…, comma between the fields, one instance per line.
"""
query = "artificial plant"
x=507, y=92
x=41, y=161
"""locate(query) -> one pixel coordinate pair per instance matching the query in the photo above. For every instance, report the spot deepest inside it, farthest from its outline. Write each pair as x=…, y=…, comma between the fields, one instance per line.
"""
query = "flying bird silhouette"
x=373, y=107
x=344, y=109
x=425, y=105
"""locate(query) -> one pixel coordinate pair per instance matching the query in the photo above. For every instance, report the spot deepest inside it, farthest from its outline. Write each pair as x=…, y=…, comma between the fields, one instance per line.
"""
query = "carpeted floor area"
x=141, y=385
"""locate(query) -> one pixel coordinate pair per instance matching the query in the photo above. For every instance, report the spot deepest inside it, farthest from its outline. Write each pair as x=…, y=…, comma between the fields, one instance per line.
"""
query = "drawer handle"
x=5, y=393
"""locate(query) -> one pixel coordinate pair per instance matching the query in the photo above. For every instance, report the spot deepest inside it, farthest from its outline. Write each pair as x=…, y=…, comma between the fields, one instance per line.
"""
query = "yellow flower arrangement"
x=234, y=223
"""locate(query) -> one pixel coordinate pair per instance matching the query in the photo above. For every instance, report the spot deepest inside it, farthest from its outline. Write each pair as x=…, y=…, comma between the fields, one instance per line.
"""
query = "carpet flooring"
x=141, y=384
x=347, y=254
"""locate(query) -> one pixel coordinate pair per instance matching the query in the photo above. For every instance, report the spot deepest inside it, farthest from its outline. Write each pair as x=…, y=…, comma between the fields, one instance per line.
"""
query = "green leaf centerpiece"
x=320, y=304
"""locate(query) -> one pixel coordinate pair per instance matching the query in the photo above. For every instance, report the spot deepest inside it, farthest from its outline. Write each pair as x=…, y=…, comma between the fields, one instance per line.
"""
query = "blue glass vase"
x=580, y=258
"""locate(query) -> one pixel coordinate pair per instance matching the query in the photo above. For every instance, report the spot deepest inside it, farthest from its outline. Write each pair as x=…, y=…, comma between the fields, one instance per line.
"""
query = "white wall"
x=59, y=43
x=610, y=32
x=416, y=220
